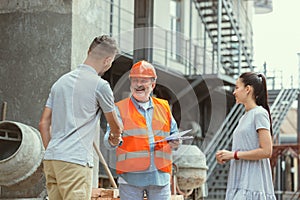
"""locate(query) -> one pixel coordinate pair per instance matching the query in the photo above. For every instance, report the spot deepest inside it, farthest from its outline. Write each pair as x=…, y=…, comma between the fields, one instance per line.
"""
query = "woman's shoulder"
x=260, y=111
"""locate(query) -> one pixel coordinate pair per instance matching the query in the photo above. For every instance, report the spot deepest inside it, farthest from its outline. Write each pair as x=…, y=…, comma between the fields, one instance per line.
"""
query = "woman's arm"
x=264, y=150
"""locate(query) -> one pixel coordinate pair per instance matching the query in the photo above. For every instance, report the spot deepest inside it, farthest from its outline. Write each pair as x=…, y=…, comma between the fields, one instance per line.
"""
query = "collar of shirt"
x=87, y=67
x=136, y=103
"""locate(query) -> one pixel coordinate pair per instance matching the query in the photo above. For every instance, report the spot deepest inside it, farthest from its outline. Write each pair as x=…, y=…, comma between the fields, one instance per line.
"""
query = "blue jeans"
x=131, y=192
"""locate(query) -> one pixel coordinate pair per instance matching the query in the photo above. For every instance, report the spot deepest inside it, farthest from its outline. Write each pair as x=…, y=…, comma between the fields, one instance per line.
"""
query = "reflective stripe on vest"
x=134, y=132
x=130, y=155
x=161, y=133
x=161, y=154
x=134, y=154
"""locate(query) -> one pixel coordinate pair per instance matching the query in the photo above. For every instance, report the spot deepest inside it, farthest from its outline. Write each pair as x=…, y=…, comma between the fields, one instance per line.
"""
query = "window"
x=176, y=29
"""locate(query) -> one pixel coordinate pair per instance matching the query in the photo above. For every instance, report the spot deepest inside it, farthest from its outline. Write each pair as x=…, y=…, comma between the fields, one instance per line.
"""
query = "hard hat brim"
x=141, y=76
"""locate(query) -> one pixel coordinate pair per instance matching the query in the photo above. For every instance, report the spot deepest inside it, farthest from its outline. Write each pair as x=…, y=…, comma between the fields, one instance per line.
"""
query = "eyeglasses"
x=142, y=81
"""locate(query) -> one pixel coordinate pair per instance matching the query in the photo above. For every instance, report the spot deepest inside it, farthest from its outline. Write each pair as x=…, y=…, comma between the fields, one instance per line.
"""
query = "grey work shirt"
x=75, y=100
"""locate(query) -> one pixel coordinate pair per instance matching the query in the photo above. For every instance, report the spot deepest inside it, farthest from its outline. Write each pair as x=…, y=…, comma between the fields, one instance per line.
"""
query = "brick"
x=177, y=197
x=104, y=193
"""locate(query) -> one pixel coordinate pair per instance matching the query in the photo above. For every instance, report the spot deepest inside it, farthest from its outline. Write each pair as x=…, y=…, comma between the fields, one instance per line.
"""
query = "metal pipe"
x=119, y=23
x=240, y=43
x=204, y=52
x=298, y=70
x=190, y=35
x=166, y=48
x=111, y=17
x=219, y=36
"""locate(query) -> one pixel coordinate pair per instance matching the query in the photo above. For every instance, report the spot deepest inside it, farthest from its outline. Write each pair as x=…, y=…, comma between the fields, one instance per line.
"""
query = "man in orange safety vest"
x=144, y=165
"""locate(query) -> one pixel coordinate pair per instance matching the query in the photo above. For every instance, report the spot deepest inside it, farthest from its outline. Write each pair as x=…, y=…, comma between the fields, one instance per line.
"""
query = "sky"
x=276, y=40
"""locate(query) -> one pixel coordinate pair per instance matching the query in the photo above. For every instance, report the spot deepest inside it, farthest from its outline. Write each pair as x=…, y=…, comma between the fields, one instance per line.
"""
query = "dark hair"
x=259, y=84
x=107, y=44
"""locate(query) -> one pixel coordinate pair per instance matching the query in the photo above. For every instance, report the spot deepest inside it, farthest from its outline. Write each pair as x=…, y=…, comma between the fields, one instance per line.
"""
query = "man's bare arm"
x=44, y=126
x=112, y=119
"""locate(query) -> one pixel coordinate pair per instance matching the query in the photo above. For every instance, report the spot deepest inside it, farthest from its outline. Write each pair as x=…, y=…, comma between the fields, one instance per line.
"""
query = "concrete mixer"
x=190, y=168
x=21, y=154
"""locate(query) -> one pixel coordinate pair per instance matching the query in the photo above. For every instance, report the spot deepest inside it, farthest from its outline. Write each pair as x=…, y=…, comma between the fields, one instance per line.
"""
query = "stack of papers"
x=177, y=136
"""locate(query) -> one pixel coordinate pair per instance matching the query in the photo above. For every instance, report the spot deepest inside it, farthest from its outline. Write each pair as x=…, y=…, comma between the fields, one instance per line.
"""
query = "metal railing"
x=223, y=137
x=217, y=175
x=281, y=106
x=240, y=8
x=232, y=40
x=173, y=50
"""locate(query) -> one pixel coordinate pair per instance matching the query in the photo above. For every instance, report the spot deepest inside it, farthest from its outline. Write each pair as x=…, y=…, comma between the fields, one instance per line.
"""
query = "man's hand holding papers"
x=176, y=137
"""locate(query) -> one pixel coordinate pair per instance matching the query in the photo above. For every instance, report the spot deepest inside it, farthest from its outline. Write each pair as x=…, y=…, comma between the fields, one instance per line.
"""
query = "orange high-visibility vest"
x=134, y=154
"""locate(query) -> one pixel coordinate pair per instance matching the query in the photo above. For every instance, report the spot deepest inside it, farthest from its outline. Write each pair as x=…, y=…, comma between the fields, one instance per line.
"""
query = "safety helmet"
x=142, y=69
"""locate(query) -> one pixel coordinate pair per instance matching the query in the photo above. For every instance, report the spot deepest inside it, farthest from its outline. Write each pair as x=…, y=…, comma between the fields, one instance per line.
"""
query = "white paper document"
x=177, y=136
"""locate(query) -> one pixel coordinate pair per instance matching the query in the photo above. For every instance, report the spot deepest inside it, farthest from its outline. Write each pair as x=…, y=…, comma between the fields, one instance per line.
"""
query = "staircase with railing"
x=217, y=174
x=280, y=101
x=281, y=106
x=230, y=32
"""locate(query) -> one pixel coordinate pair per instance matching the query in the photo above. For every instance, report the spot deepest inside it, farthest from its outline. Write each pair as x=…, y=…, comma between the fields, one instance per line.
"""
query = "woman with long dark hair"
x=250, y=174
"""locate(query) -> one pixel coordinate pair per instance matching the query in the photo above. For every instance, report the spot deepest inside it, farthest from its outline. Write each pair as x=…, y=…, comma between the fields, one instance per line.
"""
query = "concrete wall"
x=87, y=23
x=39, y=41
x=35, y=49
